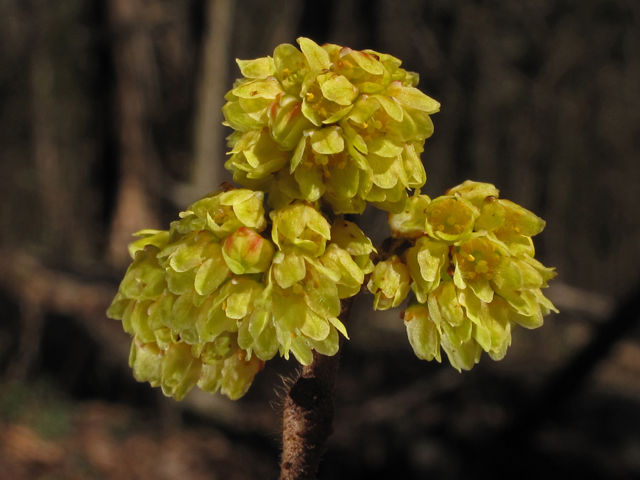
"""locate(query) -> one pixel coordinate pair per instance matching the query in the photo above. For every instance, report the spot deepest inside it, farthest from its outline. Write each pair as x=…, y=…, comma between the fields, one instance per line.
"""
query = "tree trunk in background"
x=57, y=178
x=139, y=177
x=213, y=84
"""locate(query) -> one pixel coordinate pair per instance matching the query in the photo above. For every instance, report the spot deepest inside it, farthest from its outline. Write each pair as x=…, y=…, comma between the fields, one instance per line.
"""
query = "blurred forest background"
x=110, y=122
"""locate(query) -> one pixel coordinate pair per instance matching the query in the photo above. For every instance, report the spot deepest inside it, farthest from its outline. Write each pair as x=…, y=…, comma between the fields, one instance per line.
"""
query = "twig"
x=40, y=290
x=308, y=414
x=567, y=381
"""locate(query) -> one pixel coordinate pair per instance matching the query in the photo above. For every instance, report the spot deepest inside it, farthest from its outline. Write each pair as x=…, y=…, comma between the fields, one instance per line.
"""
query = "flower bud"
x=302, y=226
x=428, y=261
x=450, y=218
x=410, y=223
x=390, y=283
x=422, y=332
x=222, y=213
x=474, y=192
x=246, y=252
x=180, y=371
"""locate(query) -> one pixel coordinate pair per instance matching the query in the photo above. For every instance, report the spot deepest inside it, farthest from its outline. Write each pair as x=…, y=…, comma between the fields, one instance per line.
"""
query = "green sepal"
x=327, y=141
x=222, y=347
x=157, y=238
x=118, y=306
x=462, y=357
x=211, y=377
x=317, y=57
x=289, y=268
x=180, y=371
x=301, y=350
x=321, y=294
x=411, y=97
x=329, y=346
x=146, y=361
x=475, y=192
x=238, y=374
x=427, y=261
x=211, y=274
x=410, y=223
x=257, y=68
x=348, y=236
x=422, y=332
x=144, y=279
x=390, y=283
x=315, y=326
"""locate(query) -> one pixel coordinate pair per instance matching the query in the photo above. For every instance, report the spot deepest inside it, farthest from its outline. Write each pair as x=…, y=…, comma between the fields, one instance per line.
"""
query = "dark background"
x=110, y=122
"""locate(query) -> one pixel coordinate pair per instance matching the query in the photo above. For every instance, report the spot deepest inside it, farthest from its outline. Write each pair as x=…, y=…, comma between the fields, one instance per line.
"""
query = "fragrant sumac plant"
x=248, y=273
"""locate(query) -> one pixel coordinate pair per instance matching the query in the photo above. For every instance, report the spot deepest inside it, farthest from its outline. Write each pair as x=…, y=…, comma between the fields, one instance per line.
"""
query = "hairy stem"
x=308, y=414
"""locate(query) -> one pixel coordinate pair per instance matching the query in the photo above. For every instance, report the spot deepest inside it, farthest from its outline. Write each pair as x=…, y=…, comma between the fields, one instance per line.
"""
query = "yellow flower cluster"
x=209, y=301
x=471, y=268
x=331, y=123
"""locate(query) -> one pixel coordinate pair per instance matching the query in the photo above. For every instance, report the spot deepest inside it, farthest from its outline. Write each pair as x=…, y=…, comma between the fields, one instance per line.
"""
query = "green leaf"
x=240, y=301
x=157, y=238
x=212, y=321
x=462, y=357
x=258, y=321
x=337, y=116
x=140, y=321
x=183, y=314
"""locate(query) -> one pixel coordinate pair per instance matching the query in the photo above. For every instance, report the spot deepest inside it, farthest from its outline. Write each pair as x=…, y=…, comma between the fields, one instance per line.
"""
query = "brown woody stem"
x=308, y=414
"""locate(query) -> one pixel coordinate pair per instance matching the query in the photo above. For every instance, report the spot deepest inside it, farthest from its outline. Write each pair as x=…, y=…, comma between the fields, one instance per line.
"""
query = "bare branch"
x=308, y=414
